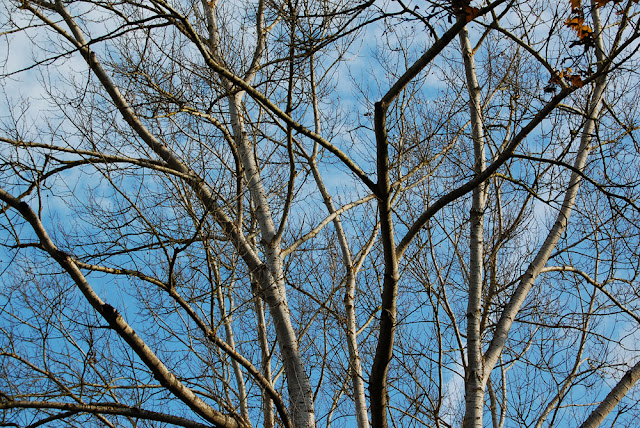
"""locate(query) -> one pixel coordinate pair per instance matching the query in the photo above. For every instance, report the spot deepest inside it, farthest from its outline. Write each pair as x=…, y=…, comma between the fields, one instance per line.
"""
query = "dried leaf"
x=584, y=31
x=556, y=79
x=576, y=81
x=576, y=21
x=577, y=24
x=471, y=13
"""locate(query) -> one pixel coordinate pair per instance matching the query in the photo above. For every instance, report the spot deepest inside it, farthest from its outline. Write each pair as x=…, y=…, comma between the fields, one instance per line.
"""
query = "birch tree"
x=257, y=213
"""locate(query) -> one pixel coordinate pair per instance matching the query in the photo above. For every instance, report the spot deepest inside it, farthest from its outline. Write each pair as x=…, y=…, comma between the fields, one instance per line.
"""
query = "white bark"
x=475, y=382
x=618, y=392
x=271, y=277
x=562, y=219
x=269, y=273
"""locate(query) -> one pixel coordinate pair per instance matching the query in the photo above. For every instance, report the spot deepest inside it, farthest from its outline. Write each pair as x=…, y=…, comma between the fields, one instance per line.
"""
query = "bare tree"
x=245, y=214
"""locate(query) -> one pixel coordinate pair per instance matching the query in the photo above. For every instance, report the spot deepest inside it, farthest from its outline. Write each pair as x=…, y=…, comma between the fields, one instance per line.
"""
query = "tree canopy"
x=305, y=213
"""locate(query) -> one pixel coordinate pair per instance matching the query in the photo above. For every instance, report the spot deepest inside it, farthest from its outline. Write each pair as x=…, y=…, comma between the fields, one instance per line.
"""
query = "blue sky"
x=359, y=77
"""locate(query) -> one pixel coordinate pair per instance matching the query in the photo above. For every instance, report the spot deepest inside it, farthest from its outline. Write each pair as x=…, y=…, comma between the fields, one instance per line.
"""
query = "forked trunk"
x=271, y=278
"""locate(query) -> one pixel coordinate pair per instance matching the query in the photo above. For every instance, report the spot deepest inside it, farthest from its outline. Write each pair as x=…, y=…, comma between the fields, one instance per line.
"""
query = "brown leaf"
x=576, y=81
x=471, y=13
x=576, y=21
x=577, y=24
x=584, y=31
x=567, y=74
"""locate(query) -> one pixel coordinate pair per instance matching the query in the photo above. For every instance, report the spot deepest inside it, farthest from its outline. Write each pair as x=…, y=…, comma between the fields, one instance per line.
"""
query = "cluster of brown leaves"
x=601, y=3
x=577, y=4
x=568, y=74
x=576, y=22
x=463, y=8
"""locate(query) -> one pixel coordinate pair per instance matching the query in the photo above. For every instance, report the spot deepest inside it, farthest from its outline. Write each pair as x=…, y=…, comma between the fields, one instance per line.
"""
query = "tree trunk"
x=271, y=277
x=475, y=384
x=613, y=398
x=562, y=219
